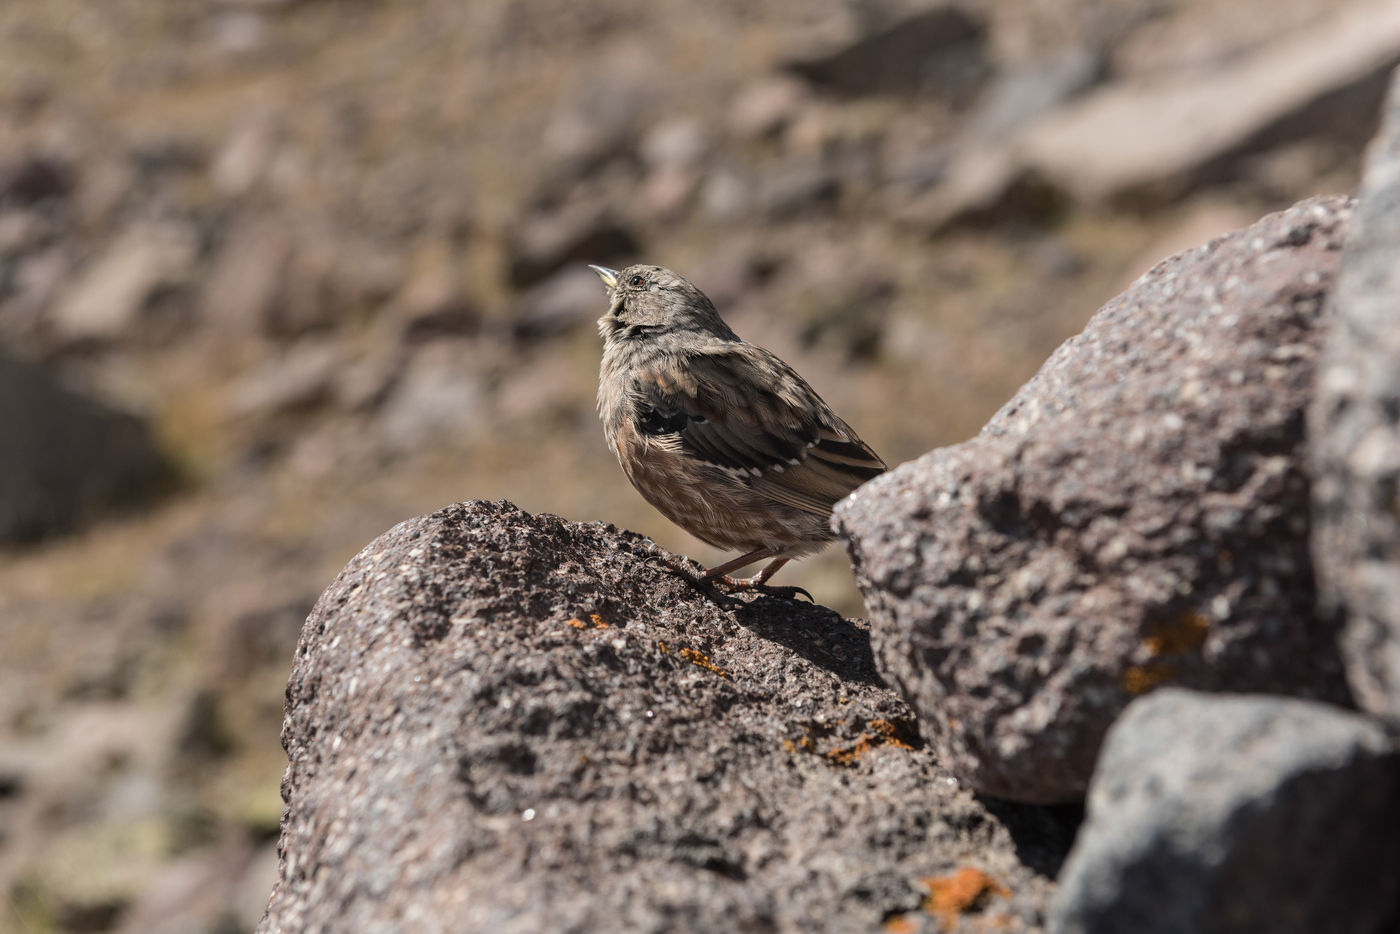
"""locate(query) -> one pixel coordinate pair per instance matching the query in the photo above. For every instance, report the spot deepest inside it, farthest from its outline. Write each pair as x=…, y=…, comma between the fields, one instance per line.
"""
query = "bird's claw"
x=756, y=585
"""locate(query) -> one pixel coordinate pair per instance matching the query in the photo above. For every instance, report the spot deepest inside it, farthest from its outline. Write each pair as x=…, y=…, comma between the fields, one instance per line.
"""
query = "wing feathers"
x=743, y=410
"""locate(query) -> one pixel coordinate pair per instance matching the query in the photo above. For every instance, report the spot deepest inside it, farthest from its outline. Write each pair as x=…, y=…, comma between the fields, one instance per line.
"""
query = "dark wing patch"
x=708, y=432
x=658, y=414
x=750, y=414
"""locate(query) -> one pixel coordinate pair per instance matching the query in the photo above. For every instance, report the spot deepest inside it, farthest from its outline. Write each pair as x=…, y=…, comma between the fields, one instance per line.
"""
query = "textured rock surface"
x=65, y=458
x=1223, y=813
x=1356, y=431
x=1136, y=515
x=503, y=722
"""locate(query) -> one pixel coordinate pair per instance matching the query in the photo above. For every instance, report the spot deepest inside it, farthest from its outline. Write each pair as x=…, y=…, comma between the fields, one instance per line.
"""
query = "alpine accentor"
x=721, y=436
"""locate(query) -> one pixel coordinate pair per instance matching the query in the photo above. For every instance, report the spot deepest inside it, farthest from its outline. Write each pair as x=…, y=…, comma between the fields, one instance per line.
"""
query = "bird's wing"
x=744, y=411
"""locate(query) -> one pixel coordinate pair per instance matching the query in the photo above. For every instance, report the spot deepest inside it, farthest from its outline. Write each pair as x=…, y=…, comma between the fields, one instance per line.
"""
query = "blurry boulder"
x=1022, y=93
x=34, y=179
x=332, y=277
x=1356, y=435
x=668, y=191
x=272, y=277
x=726, y=193
x=241, y=289
x=1135, y=516
x=979, y=179
x=64, y=458
x=38, y=278
x=672, y=151
x=941, y=52
x=983, y=185
x=438, y=397
x=570, y=299
x=433, y=300
x=107, y=299
x=1227, y=814
x=596, y=121
x=499, y=722
x=677, y=141
x=248, y=152
x=1182, y=130
x=299, y=379
x=20, y=232
x=587, y=233
x=797, y=186
x=765, y=106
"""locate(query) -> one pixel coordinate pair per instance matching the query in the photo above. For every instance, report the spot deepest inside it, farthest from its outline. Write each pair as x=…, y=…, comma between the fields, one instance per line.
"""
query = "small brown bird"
x=721, y=436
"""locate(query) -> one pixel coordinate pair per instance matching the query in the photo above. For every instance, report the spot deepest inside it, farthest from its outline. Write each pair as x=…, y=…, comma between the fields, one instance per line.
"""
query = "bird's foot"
x=706, y=586
x=757, y=584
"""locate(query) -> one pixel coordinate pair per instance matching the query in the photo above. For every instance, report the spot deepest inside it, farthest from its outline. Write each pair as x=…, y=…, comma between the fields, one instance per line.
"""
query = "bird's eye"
x=635, y=281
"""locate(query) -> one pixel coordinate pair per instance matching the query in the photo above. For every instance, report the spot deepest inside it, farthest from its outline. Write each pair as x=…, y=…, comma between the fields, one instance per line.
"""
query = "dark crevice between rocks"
x=1042, y=833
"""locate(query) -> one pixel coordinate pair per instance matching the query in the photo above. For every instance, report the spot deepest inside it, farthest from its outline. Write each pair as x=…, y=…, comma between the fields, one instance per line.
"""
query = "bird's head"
x=646, y=302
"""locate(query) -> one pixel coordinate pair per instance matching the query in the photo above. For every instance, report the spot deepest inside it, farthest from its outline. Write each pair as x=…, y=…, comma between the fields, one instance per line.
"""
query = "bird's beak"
x=609, y=276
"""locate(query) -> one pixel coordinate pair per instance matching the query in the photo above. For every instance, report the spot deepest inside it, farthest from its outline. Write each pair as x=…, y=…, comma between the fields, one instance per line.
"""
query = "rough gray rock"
x=1136, y=515
x=1356, y=435
x=65, y=458
x=1218, y=813
x=503, y=722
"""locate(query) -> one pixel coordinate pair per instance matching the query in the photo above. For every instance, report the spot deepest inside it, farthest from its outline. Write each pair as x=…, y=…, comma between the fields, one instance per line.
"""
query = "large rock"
x=940, y=51
x=107, y=299
x=503, y=722
x=1158, y=138
x=554, y=238
x=1356, y=435
x=65, y=458
x=1137, y=515
x=1220, y=814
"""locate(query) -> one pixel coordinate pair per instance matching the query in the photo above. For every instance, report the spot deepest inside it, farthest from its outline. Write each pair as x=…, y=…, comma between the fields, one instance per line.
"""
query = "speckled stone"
x=1229, y=814
x=1136, y=516
x=500, y=722
x=1356, y=435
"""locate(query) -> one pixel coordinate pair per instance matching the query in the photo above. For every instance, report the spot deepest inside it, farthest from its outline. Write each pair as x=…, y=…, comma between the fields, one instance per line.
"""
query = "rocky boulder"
x=1356, y=436
x=1136, y=516
x=1223, y=813
x=65, y=458
x=503, y=722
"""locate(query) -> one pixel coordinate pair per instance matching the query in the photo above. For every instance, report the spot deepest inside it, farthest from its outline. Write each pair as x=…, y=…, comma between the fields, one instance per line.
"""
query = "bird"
x=720, y=435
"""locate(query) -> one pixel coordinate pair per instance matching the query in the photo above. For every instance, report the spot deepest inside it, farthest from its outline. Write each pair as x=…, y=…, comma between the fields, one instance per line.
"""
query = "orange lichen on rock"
x=880, y=733
x=1139, y=679
x=900, y=924
x=804, y=743
x=1186, y=633
x=1183, y=634
x=960, y=892
x=595, y=619
x=700, y=659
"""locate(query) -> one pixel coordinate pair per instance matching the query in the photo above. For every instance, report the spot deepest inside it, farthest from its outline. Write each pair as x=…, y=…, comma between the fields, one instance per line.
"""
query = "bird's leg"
x=759, y=581
x=722, y=570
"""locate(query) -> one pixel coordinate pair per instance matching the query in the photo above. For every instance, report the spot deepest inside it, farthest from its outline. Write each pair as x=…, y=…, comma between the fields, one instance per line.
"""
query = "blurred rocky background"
x=275, y=275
